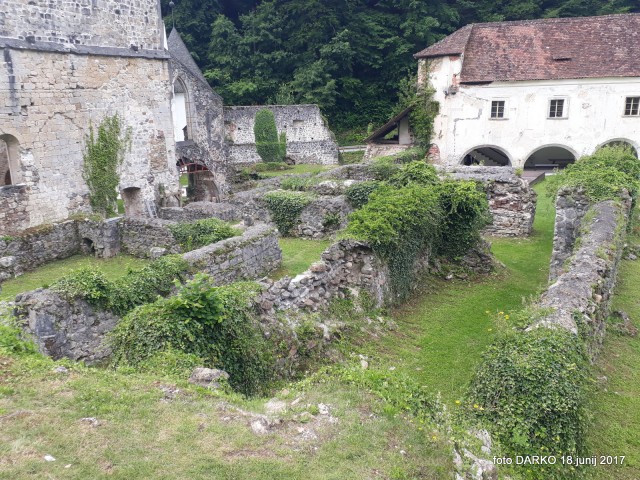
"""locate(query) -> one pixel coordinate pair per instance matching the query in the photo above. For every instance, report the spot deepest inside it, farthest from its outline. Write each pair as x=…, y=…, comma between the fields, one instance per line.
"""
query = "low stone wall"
x=580, y=296
x=375, y=150
x=345, y=266
x=199, y=210
x=571, y=207
x=43, y=245
x=142, y=236
x=250, y=256
x=512, y=202
x=323, y=217
x=63, y=329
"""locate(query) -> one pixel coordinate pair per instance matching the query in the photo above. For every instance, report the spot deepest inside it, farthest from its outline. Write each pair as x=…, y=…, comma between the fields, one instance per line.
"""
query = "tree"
x=269, y=146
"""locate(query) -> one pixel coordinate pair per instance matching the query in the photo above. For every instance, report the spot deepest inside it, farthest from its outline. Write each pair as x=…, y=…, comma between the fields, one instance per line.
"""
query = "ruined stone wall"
x=375, y=150
x=581, y=293
x=53, y=101
x=345, y=266
x=130, y=24
x=199, y=210
x=147, y=237
x=250, y=256
x=309, y=139
x=512, y=202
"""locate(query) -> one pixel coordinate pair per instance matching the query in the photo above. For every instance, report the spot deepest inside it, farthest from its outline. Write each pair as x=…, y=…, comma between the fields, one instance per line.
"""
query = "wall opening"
x=202, y=186
x=133, y=204
x=488, y=156
x=180, y=111
x=621, y=143
x=88, y=248
x=10, y=170
x=549, y=158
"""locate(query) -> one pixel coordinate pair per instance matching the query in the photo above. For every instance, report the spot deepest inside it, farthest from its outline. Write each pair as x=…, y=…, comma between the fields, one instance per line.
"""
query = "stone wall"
x=323, y=217
x=199, y=210
x=250, y=256
x=375, y=150
x=580, y=295
x=61, y=328
x=14, y=215
x=345, y=267
x=132, y=25
x=512, y=202
x=309, y=139
x=30, y=250
x=571, y=207
x=147, y=237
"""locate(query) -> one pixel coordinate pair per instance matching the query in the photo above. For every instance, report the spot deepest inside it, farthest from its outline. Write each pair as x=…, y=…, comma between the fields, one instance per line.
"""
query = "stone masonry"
x=67, y=65
x=309, y=139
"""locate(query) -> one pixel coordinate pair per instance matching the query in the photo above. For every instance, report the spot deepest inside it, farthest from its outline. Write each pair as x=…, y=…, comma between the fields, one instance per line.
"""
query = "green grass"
x=298, y=254
x=349, y=158
x=184, y=180
x=297, y=169
x=616, y=402
x=444, y=328
x=112, y=267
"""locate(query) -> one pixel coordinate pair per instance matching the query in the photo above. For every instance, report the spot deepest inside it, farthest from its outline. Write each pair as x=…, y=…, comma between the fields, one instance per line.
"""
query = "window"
x=632, y=106
x=556, y=108
x=497, y=109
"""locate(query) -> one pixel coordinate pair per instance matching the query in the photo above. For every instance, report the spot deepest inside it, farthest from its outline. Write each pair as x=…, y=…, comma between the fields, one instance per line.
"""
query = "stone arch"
x=202, y=181
x=182, y=110
x=550, y=157
x=10, y=164
x=621, y=142
x=488, y=155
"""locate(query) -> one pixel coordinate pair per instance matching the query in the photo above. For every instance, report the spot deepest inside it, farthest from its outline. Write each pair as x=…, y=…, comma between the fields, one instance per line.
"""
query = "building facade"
x=66, y=66
x=535, y=94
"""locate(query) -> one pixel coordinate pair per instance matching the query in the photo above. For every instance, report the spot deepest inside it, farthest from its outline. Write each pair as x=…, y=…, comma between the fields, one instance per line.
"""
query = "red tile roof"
x=547, y=49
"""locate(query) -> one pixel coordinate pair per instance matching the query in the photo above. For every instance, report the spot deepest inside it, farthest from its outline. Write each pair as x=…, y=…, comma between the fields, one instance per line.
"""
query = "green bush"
x=411, y=155
x=358, y=194
x=12, y=338
x=602, y=176
x=216, y=324
x=531, y=390
x=299, y=184
x=269, y=146
x=285, y=208
x=466, y=213
x=201, y=232
x=135, y=288
x=383, y=168
x=414, y=172
x=398, y=223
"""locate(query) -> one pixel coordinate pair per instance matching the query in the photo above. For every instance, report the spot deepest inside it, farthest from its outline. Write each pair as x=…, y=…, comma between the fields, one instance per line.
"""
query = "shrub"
x=398, y=223
x=12, y=338
x=531, y=389
x=358, y=194
x=411, y=155
x=298, y=183
x=414, y=172
x=201, y=232
x=466, y=212
x=384, y=168
x=120, y=296
x=285, y=208
x=602, y=176
x=216, y=324
x=269, y=146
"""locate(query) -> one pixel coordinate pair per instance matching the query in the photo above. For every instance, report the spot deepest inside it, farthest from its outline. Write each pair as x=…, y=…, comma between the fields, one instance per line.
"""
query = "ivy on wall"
x=270, y=147
x=285, y=208
x=103, y=155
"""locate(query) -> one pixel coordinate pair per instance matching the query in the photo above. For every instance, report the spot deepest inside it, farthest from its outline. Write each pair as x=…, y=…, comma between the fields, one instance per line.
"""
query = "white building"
x=537, y=93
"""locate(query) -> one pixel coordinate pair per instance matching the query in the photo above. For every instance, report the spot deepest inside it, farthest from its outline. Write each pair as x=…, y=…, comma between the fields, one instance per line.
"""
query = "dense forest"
x=351, y=57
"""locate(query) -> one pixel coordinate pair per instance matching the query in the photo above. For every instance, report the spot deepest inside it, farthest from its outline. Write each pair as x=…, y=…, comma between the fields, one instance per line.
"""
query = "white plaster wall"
x=594, y=114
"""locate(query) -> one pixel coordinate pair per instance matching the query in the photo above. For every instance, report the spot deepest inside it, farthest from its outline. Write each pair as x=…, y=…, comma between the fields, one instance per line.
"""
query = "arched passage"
x=10, y=171
x=621, y=142
x=202, y=186
x=180, y=109
x=487, y=155
x=549, y=157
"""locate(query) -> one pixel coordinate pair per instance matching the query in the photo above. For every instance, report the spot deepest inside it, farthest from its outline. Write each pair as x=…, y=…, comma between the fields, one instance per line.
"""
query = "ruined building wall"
x=309, y=139
x=52, y=97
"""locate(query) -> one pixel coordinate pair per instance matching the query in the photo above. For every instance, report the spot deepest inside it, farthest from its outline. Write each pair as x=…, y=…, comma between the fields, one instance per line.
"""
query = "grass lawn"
x=616, y=402
x=47, y=274
x=296, y=169
x=443, y=330
x=298, y=255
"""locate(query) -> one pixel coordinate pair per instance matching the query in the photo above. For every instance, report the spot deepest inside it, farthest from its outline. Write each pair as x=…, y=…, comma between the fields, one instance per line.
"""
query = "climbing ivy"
x=103, y=155
x=201, y=232
x=285, y=208
x=269, y=146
